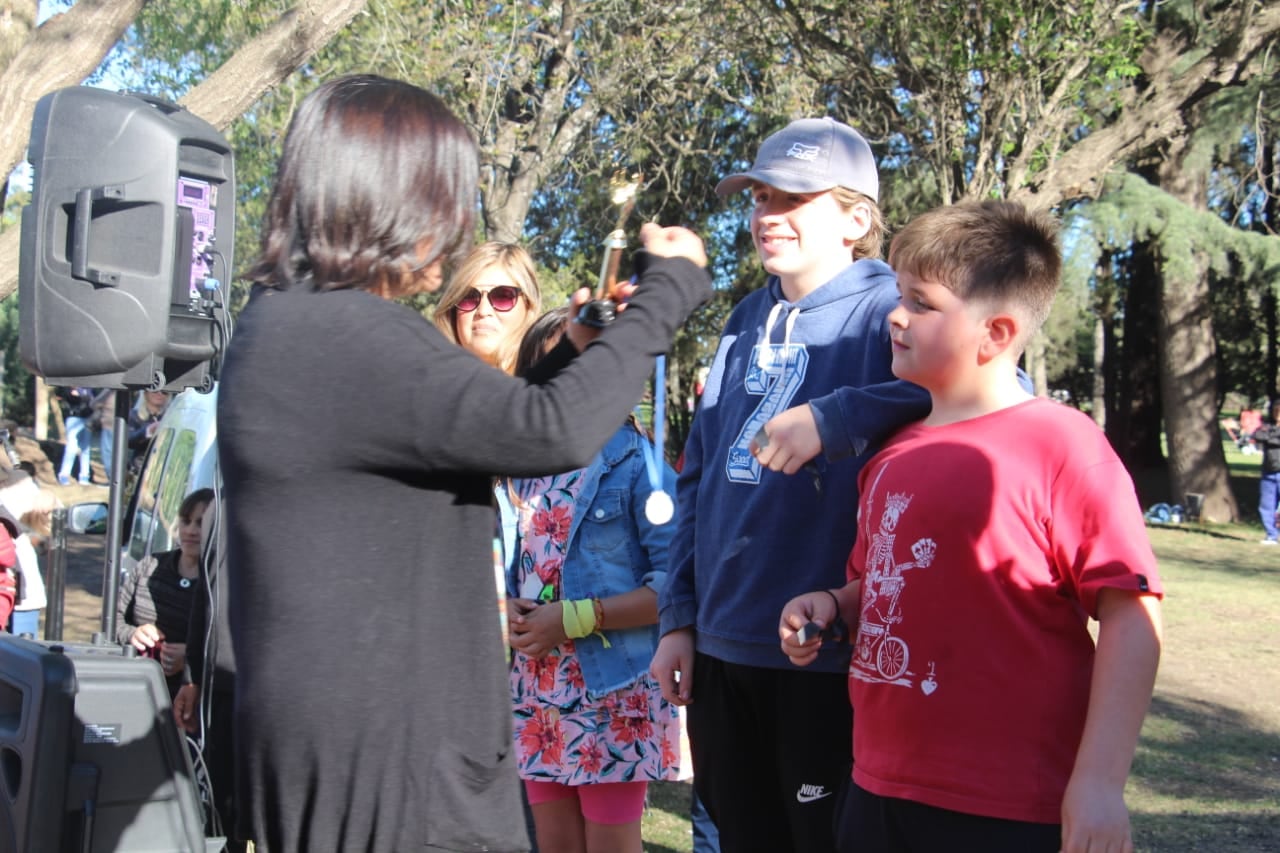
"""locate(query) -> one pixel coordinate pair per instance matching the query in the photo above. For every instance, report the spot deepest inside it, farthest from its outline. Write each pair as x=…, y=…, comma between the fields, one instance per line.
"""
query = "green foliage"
x=175, y=44
x=17, y=392
x=18, y=385
x=1242, y=265
x=985, y=94
x=1133, y=210
x=1239, y=324
x=958, y=101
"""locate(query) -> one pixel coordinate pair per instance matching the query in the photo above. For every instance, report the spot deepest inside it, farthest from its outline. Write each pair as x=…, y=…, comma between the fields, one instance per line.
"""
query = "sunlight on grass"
x=1207, y=772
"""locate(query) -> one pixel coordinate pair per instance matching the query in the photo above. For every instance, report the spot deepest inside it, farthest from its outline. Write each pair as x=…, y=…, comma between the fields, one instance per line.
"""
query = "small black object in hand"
x=808, y=631
x=598, y=313
x=837, y=631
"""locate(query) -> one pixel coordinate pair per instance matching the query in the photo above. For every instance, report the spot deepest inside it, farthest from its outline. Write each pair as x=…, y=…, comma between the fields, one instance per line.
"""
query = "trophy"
x=600, y=311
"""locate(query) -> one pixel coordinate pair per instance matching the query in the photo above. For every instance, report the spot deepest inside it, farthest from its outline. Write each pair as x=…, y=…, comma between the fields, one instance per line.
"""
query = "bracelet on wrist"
x=839, y=630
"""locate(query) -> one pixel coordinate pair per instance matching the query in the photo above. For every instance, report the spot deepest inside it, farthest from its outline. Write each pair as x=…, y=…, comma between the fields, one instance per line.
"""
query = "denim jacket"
x=612, y=549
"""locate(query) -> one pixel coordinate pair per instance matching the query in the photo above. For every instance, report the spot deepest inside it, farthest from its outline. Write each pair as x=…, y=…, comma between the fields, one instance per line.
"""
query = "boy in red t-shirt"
x=984, y=716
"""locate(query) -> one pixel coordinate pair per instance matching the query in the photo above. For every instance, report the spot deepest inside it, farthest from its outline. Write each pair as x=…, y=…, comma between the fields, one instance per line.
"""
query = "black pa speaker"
x=91, y=760
x=125, y=242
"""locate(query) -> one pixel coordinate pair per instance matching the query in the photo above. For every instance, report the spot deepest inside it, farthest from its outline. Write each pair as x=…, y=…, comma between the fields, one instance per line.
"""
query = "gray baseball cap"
x=809, y=156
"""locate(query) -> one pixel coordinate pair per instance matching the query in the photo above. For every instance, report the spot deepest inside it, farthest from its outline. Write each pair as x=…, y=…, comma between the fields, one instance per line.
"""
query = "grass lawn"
x=1207, y=773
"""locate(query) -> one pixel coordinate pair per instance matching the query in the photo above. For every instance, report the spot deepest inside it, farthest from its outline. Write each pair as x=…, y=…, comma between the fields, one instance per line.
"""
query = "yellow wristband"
x=579, y=618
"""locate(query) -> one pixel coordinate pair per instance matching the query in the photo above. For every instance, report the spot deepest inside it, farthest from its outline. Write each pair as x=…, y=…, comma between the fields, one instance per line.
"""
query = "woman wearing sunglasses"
x=490, y=303
x=357, y=446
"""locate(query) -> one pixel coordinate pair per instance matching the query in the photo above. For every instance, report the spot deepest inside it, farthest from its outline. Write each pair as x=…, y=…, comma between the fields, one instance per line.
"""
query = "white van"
x=182, y=458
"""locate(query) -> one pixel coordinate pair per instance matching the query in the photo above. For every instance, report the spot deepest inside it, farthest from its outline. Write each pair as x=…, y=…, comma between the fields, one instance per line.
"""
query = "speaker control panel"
x=201, y=198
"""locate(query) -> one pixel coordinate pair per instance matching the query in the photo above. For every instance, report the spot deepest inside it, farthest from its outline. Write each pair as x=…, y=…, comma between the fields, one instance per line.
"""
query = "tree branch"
x=268, y=59
x=1157, y=116
x=63, y=51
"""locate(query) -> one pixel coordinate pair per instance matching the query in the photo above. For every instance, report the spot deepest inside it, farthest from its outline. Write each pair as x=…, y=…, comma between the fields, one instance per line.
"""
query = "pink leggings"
x=607, y=803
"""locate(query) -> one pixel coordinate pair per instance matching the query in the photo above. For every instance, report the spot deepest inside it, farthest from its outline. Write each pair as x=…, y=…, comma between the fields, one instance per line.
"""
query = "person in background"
x=205, y=704
x=591, y=726
x=153, y=610
x=23, y=506
x=358, y=447
x=31, y=598
x=490, y=302
x=1267, y=438
x=103, y=422
x=31, y=505
x=486, y=308
x=79, y=404
x=988, y=534
x=144, y=418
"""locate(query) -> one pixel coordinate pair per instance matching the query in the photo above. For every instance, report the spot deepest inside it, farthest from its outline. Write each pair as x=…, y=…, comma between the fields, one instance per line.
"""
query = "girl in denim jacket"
x=591, y=726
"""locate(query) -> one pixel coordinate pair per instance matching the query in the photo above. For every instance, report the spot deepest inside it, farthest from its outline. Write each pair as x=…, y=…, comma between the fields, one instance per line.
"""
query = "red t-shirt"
x=981, y=549
x=8, y=581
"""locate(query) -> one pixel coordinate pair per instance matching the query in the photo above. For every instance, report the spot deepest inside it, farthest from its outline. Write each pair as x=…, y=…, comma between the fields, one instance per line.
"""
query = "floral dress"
x=562, y=733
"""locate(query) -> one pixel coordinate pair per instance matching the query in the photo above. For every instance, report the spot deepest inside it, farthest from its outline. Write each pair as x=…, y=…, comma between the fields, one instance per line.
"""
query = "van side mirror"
x=87, y=518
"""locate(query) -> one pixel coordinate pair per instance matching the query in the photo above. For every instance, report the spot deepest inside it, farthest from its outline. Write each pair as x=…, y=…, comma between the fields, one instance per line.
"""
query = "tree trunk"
x=675, y=403
x=1188, y=363
x=1036, y=364
x=1272, y=359
x=1101, y=331
x=45, y=405
x=268, y=59
x=1105, y=356
x=1133, y=423
x=62, y=51
x=17, y=20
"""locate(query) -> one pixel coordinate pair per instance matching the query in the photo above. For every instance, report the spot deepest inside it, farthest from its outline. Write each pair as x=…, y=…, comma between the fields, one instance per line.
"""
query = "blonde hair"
x=513, y=260
x=869, y=245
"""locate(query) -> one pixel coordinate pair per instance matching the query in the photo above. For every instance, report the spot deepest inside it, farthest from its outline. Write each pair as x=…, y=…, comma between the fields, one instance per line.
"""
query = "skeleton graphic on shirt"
x=878, y=655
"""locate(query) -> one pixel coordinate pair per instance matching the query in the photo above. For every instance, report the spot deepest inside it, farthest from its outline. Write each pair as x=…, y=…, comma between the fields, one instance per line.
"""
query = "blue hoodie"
x=749, y=539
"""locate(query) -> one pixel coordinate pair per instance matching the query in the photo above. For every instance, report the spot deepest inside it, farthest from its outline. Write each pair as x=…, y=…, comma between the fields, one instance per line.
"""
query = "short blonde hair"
x=513, y=260
x=869, y=245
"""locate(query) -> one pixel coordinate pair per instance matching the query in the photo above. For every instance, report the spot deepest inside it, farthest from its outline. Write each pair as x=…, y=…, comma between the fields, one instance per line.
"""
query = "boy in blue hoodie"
x=770, y=743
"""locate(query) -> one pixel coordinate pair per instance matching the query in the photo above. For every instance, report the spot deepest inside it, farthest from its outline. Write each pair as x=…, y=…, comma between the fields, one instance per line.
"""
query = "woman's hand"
x=145, y=637
x=186, y=708
x=538, y=630
x=580, y=334
x=673, y=242
x=173, y=657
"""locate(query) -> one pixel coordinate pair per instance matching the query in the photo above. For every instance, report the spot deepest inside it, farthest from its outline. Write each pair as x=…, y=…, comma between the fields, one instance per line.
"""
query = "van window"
x=161, y=488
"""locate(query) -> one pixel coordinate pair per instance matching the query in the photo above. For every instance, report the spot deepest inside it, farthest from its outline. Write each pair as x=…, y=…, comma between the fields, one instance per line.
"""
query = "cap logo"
x=800, y=151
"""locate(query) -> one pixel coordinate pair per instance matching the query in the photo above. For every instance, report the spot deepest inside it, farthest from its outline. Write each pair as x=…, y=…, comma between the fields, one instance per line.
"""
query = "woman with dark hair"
x=153, y=606
x=357, y=446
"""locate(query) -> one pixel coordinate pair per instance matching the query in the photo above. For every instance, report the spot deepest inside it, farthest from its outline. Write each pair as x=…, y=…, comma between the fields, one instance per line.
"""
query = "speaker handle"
x=80, y=227
x=164, y=105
